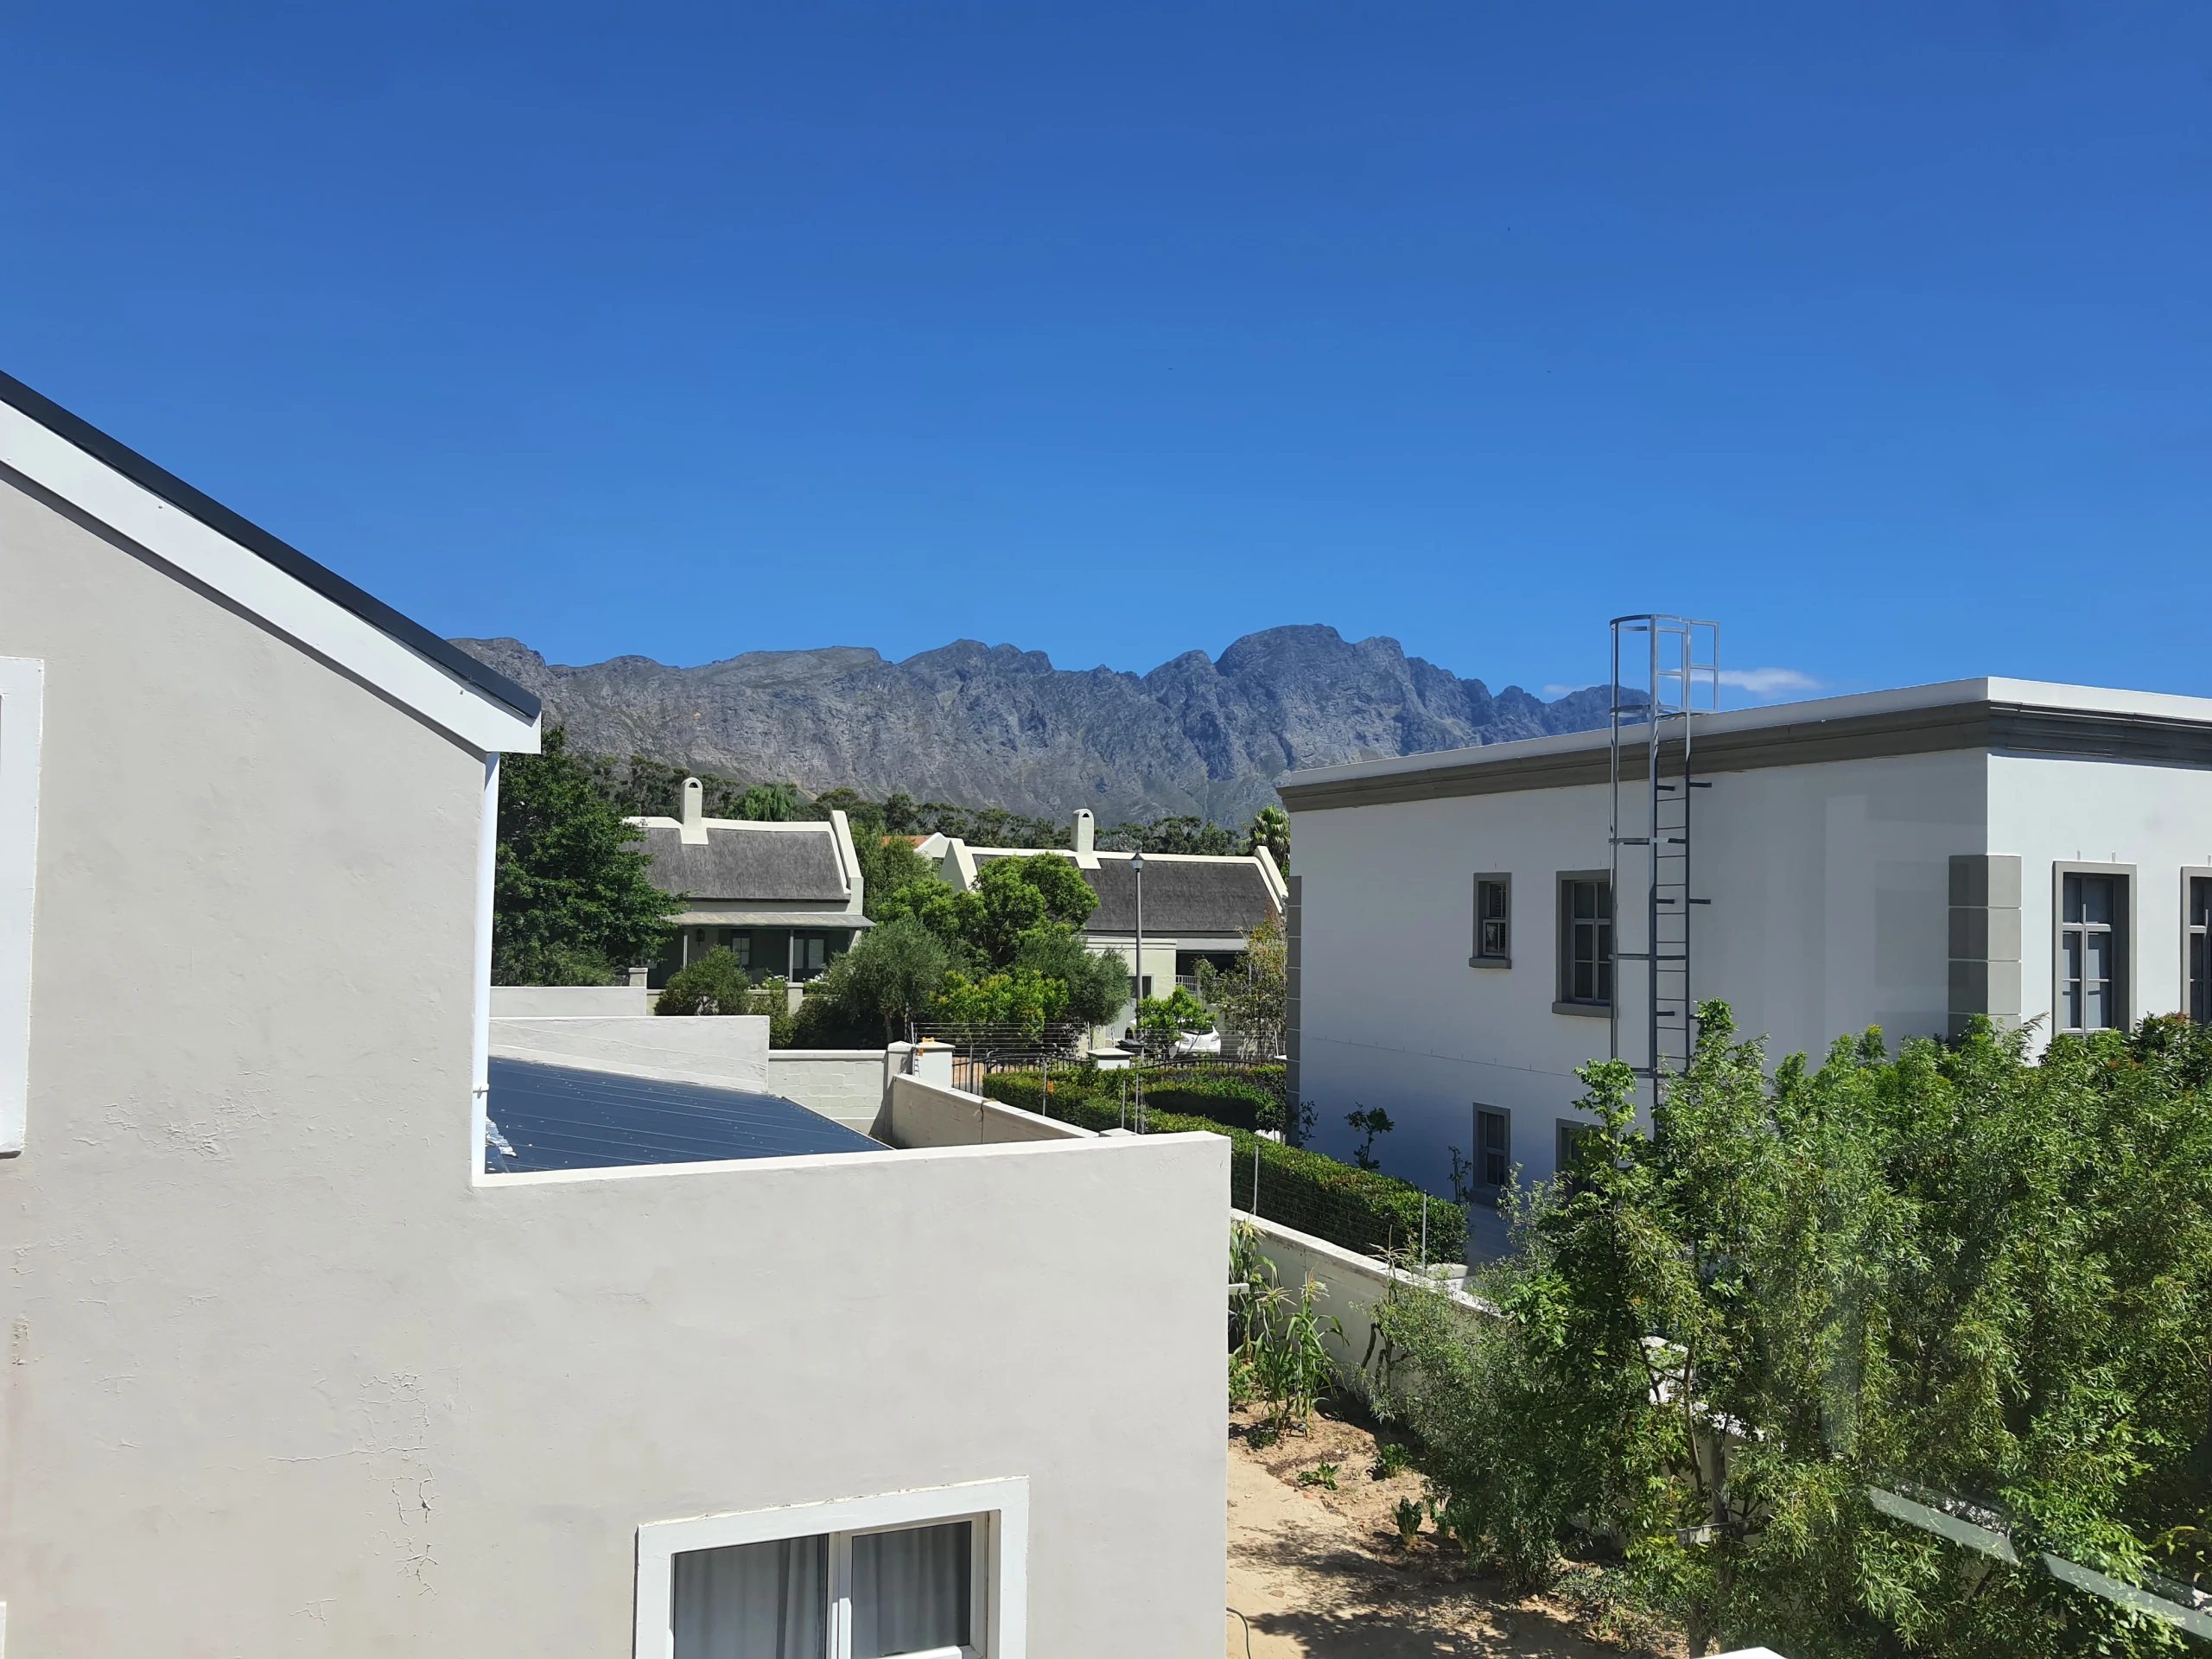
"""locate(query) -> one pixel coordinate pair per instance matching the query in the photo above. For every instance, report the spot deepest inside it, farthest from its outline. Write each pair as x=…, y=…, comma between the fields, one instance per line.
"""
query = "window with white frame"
x=912, y=1575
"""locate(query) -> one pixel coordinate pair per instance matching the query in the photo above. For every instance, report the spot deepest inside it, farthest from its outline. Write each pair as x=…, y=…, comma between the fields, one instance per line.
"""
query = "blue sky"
x=1881, y=334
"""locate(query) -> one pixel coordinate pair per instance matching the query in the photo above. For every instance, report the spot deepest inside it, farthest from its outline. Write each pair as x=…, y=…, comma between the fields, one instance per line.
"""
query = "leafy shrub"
x=715, y=983
x=1361, y=1209
x=1407, y=1514
x=1392, y=1458
x=1280, y=1340
x=1228, y=1100
x=1321, y=1474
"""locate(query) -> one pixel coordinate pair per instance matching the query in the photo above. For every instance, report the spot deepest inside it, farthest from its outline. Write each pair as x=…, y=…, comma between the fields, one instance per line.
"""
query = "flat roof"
x=560, y=1117
x=2023, y=716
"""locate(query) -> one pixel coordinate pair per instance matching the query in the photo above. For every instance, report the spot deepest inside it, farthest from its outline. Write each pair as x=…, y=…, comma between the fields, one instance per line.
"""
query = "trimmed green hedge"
x=1360, y=1208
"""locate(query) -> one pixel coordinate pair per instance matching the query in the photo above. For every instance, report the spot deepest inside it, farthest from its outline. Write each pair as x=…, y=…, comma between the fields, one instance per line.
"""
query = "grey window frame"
x=1486, y=1192
x=2191, y=874
x=810, y=936
x=1503, y=881
x=2123, y=992
x=1565, y=1001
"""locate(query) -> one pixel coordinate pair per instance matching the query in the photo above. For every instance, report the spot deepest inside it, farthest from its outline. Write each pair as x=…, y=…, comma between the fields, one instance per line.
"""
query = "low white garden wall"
x=730, y=1051
x=844, y=1084
x=569, y=1001
x=1350, y=1286
x=918, y=1115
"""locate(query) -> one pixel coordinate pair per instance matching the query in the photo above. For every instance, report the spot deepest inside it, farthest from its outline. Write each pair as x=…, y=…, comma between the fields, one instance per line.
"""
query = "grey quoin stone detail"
x=1985, y=936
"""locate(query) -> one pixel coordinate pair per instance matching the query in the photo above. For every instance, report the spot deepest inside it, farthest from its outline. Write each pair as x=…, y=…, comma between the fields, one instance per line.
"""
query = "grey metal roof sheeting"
x=759, y=864
x=1211, y=896
x=558, y=1117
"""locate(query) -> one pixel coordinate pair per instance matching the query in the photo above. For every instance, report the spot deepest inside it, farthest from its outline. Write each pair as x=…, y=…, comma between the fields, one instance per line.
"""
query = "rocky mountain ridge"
x=993, y=725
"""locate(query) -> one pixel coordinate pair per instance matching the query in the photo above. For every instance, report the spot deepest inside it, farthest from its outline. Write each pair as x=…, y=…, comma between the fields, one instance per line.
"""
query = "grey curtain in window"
x=910, y=1590
x=753, y=1601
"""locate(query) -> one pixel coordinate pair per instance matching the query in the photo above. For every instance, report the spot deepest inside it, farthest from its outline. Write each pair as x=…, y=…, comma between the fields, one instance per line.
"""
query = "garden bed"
x=1320, y=1574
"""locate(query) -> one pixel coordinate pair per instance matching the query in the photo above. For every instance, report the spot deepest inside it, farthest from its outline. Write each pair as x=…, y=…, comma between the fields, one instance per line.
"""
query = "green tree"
x=1251, y=997
x=891, y=976
x=1161, y=1020
x=1270, y=828
x=887, y=865
x=1958, y=1277
x=1097, y=983
x=572, y=903
x=1176, y=834
x=711, y=984
x=773, y=804
x=1016, y=1000
x=1020, y=894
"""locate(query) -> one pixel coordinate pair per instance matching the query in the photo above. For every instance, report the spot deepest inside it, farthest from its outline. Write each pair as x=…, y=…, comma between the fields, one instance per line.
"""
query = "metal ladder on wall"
x=1654, y=789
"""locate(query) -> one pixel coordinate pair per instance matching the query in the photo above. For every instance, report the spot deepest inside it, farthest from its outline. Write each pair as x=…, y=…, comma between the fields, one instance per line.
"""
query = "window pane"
x=910, y=1590
x=2070, y=904
x=753, y=1601
x=1603, y=892
x=1585, y=898
x=2200, y=900
x=2198, y=988
x=2096, y=899
x=1497, y=1155
x=1493, y=938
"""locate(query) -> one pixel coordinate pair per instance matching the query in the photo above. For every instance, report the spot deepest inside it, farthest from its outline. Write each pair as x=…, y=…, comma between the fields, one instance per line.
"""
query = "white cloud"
x=1767, y=681
x=1558, y=691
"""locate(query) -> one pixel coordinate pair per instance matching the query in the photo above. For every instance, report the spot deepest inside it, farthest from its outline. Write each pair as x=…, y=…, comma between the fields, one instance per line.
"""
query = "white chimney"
x=695, y=813
x=1085, y=825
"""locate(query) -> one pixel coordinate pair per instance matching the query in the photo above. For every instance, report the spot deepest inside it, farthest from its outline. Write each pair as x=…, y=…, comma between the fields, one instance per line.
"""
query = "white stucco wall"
x=569, y=1001
x=1830, y=888
x=1348, y=1288
x=2158, y=819
x=918, y=1115
x=846, y=1084
x=727, y=1049
x=286, y=1379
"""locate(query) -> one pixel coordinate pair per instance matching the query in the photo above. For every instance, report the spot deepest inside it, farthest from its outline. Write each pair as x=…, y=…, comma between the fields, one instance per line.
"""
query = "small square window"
x=1493, y=941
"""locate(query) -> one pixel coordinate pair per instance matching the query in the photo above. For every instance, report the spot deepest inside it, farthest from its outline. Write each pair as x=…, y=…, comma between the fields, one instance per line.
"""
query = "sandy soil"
x=1320, y=1573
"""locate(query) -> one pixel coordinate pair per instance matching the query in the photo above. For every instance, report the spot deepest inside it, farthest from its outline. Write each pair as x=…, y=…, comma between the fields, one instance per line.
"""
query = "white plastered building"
x=292, y=1374
x=2037, y=853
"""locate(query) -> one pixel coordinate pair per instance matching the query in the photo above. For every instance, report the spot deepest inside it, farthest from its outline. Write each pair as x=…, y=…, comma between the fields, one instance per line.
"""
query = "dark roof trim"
x=2002, y=727
x=212, y=513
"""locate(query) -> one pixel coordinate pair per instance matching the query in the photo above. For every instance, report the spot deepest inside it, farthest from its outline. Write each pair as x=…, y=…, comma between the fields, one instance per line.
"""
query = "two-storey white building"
x=2041, y=854
x=293, y=1370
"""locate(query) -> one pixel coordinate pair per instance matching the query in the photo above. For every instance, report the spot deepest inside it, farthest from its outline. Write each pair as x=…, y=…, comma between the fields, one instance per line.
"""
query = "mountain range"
x=994, y=726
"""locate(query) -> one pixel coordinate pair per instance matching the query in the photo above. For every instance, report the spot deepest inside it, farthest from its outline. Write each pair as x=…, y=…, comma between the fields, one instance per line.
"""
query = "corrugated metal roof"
x=558, y=1117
